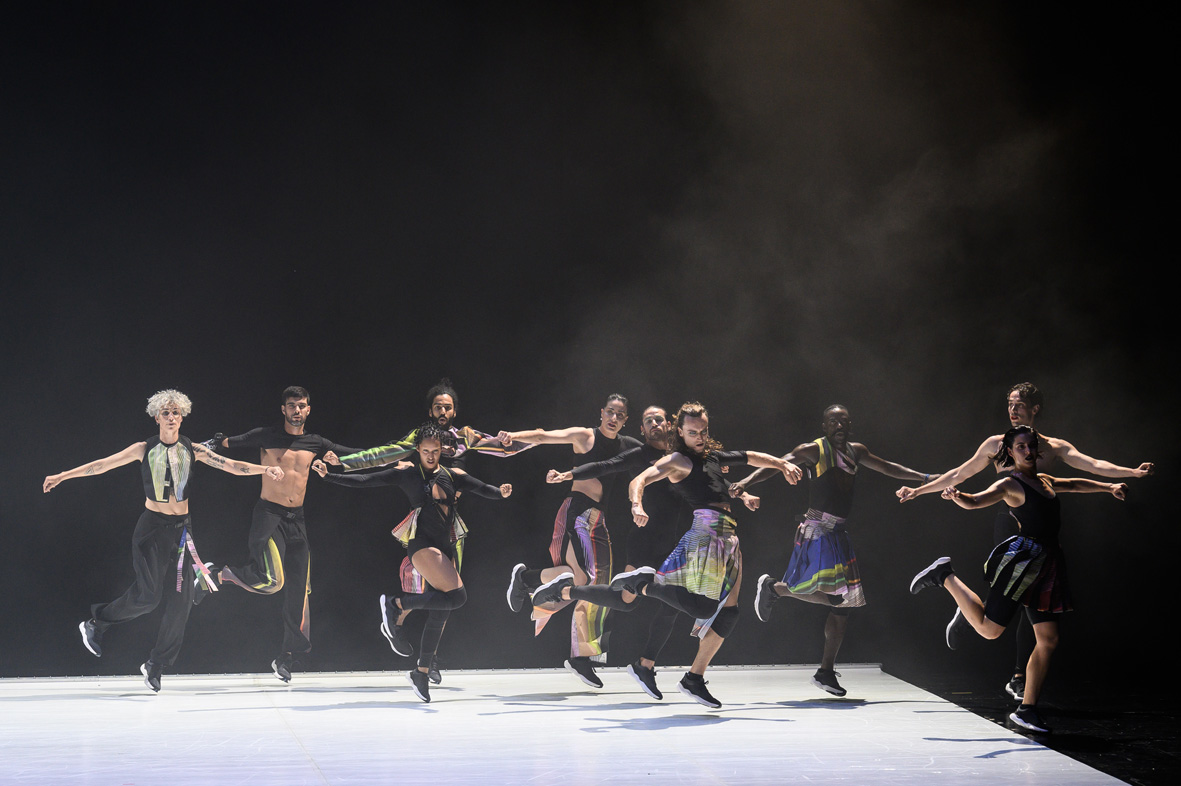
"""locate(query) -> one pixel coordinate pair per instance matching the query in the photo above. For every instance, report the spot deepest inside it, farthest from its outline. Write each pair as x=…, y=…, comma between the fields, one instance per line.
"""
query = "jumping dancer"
x=164, y=533
x=581, y=545
x=442, y=404
x=278, y=540
x=1024, y=403
x=1025, y=570
x=703, y=575
x=649, y=545
x=430, y=534
x=823, y=567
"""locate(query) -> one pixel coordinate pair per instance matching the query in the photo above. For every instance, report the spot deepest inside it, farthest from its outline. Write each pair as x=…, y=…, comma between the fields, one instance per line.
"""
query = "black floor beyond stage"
x=1125, y=725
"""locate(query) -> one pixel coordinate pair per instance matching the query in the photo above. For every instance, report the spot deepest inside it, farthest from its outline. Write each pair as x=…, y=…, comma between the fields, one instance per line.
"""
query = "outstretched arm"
x=465, y=482
x=790, y=471
x=207, y=456
x=888, y=468
x=1088, y=486
x=806, y=453
x=129, y=454
x=1076, y=459
x=576, y=436
x=1005, y=489
x=973, y=466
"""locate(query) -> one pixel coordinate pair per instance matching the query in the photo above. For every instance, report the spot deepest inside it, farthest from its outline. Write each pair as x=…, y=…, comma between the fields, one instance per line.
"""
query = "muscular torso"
x=288, y=492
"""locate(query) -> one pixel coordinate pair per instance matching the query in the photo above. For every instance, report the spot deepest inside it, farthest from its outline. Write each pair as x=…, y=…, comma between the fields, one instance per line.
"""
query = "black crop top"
x=704, y=487
x=419, y=488
x=606, y=448
x=274, y=438
x=166, y=469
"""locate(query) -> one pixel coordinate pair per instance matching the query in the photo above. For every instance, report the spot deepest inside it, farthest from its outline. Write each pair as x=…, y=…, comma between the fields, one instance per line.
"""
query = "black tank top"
x=1040, y=516
x=704, y=486
x=830, y=487
x=603, y=449
x=166, y=469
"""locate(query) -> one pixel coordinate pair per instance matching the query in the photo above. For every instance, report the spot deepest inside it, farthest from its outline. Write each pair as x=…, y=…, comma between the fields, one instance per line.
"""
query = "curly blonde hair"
x=163, y=398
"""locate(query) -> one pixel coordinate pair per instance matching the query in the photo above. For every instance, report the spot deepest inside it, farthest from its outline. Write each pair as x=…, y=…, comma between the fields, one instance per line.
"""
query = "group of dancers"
x=683, y=550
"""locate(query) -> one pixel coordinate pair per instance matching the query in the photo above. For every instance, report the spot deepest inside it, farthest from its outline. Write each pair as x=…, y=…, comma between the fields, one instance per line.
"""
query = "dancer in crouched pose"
x=429, y=533
x=163, y=535
x=1027, y=569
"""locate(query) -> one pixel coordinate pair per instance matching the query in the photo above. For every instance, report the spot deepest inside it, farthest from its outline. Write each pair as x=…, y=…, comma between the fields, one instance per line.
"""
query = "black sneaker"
x=931, y=576
x=433, y=674
x=281, y=667
x=957, y=629
x=200, y=586
x=633, y=580
x=1026, y=716
x=421, y=684
x=394, y=633
x=1016, y=687
x=765, y=597
x=826, y=680
x=551, y=591
x=693, y=686
x=91, y=638
x=584, y=669
x=517, y=591
x=152, y=671
x=646, y=677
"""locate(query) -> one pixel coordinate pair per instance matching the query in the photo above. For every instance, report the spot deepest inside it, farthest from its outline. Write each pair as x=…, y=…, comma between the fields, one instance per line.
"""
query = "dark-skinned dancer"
x=823, y=566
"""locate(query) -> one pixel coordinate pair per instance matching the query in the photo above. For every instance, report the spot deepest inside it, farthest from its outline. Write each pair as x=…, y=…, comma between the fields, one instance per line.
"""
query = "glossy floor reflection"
x=510, y=727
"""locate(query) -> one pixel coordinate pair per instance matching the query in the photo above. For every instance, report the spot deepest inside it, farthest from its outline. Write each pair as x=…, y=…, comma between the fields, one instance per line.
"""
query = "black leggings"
x=440, y=605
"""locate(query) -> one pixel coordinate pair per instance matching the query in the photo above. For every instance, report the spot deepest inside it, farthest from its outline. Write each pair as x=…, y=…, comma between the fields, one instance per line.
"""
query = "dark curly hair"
x=690, y=409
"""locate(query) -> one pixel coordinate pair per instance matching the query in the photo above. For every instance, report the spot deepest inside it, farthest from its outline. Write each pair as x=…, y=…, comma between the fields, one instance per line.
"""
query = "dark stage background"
x=903, y=207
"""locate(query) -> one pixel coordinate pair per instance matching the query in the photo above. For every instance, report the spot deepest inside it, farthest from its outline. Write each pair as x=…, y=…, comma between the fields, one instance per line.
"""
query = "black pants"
x=153, y=556
x=279, y=557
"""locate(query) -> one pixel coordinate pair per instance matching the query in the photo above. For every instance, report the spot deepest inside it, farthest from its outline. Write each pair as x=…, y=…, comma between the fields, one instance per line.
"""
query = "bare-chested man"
x=1024, y=403
x=278, y=536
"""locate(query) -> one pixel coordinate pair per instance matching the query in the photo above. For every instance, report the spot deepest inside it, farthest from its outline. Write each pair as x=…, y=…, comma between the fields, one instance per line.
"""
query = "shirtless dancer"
x=581, y=546
x=1024, y=404
x=278, y=538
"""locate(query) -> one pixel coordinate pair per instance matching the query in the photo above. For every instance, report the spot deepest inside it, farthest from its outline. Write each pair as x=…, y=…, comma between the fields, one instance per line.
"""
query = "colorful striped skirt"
x=1031, y=573
x=706, y=561
x=823, y=560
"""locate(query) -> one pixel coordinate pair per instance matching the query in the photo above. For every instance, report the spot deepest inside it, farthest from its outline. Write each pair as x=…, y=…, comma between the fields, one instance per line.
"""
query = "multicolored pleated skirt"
x=706, y=561
x=1031, y=573
x=823, y=560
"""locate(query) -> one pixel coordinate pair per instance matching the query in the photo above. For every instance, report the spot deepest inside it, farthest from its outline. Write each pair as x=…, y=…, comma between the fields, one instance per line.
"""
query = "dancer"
x=430, y=534
x=823, y=567
x=164, y=533
x=278, y=539
x=581, y=545
x=442, y=404
x=1025, y=570
x=703, y=575
x=646, y=546
x=1024, y=403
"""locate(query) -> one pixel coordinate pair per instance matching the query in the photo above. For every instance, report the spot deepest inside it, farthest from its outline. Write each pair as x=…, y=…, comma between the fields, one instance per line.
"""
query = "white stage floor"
x=511, y=727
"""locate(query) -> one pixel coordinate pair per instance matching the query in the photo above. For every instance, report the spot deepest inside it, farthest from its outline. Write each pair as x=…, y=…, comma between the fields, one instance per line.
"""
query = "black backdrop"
x=902, y=207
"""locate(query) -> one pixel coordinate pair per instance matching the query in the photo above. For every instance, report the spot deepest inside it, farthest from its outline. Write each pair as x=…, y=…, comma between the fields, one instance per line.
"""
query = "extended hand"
x=274, y=473
x=750, y=500
x=506, y=489
x=319, y=467
x=50, y=482
x=638, y=514
x=1119, y=491
x=905, y=493
x=792, y=473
